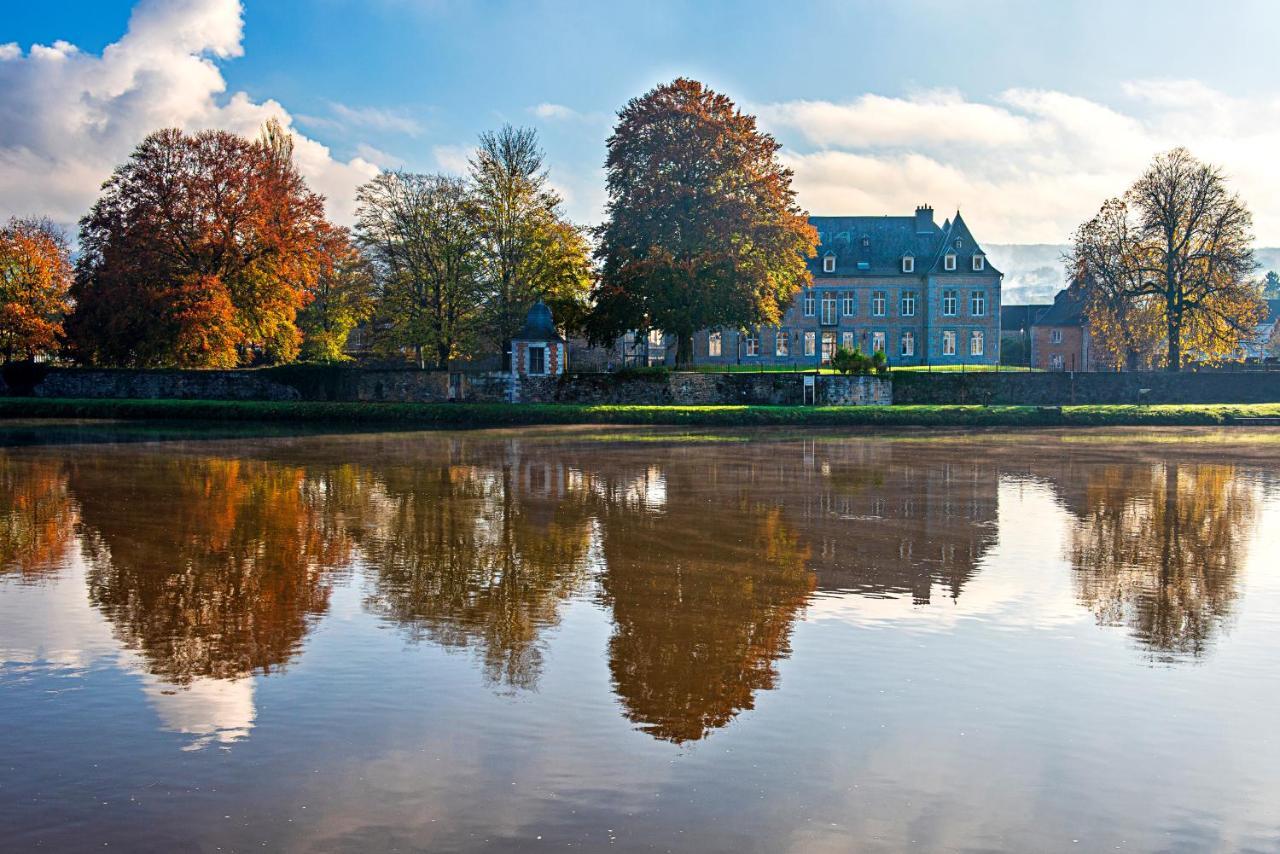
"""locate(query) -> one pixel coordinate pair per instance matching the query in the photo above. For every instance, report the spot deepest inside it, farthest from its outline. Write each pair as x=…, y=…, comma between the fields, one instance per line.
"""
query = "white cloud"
x=454, y=159
x=374, y=118
x=378, y=157
x=67, y=118
x=553, y=111
x=1028, y=167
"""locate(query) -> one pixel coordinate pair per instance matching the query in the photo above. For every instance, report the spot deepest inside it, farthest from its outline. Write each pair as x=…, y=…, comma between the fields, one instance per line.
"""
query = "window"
x=949, y=262
x=979, y=262
x=714, y=340
x=877, y=342
x=908, y=264
x=828, y=307
x=878, y=301
x=753, y=344
x=655, y=337
x=810, y=343
x=782, y=344
x=950, y=300
x=978, y=303
x=976, y=342
x=1055, y=336
x=537, y=360
x=908, y=304
x=810, y=304
x=828, y=347
x=908, y=343
x=1055, y=362
x=948, y=343
x=850, y=304
x=829, y=264
x=846, y=340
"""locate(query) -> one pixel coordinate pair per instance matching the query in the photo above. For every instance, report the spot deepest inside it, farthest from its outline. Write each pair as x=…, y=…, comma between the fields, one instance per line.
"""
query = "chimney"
x=924, y=220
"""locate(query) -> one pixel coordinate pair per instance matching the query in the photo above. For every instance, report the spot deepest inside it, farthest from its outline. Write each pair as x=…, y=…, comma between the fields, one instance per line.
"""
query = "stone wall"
x=1064, y=388
x=854, y=391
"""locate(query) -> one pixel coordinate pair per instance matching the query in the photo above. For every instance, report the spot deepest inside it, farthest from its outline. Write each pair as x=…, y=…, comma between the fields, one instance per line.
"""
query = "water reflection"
x=1159, y=548
x=212, y=564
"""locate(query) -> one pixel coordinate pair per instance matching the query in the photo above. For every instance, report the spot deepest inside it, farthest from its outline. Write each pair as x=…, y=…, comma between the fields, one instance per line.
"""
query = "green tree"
x=1174, y=256
x=1271, y=285
x=422, y=234
x=341, y=298
x=529, y=251
x=703, y=229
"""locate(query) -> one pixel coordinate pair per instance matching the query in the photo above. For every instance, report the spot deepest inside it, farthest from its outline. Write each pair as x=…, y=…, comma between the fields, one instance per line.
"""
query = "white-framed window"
x=949, y=261
x=979, y=262
x=846, y=340
x=977, y=342
x=908, y=343
x=908, y=264
x=810, y=343
x=950, y=303
x=877, y=342
x=828, y=307
x=537, y=359
x=655, y=337
x=828, y=263
x=714, y=344
x=879, y=303
x=978, y=303
x=1055, y=336
x=810, y=304
x=781, y=343
x=908, y=307
x=828, y=347
x=1055, y=362
x=948, y=343
x=753, y=344
x=850, y=304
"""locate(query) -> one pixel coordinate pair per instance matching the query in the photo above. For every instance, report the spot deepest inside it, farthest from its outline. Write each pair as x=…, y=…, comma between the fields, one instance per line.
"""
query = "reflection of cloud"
x=215, y=710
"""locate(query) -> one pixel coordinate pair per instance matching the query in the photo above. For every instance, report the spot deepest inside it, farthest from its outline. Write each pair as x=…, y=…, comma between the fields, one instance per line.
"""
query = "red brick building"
x=1060, y=337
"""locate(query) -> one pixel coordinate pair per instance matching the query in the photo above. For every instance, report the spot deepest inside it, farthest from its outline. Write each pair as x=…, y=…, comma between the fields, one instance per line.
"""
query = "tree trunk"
x=684, y=349
x=442, y=356
x=1175, y=343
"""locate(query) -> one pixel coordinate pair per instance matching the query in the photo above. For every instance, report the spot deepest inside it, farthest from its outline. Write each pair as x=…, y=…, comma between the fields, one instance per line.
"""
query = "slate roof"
x=1015, y=318
x=1067, y=310
x=876, y=245
x=538, y=325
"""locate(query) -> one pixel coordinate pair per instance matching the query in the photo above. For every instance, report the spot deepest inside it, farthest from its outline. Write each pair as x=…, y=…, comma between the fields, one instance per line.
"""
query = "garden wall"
x=1065, y=388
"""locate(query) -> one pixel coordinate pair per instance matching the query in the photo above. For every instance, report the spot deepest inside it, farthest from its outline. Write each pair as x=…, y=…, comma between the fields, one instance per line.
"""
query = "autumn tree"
x=199, y=253
x=421, y=233
x=339, y=299
x=703, y=229
x=529, y=251
x=35, y=277
x=1174, y=257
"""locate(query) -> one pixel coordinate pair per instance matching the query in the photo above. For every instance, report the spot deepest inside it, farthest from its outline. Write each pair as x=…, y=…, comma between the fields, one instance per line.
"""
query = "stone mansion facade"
x=923, y=293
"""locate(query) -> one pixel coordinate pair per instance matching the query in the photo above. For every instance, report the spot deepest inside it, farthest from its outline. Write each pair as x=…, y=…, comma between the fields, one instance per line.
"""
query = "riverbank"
x=462, y=415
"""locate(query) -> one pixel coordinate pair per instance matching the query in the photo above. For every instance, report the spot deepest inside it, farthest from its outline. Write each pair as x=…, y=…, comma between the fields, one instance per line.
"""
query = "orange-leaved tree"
x=35, y=275
x=703, y=228
x=199, y=253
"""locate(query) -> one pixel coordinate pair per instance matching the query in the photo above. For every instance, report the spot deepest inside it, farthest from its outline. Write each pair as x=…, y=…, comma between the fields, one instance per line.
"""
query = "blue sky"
x=1025, y=114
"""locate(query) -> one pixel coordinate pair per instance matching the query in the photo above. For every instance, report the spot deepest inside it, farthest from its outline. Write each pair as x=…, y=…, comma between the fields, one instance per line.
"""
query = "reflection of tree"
x=37, y=516
x=1160, y=550
x=700, y=618
x=208, y=567
x=478, y=557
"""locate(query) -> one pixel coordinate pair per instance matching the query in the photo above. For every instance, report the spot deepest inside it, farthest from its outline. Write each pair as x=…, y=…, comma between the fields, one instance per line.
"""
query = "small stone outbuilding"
x=538, y=350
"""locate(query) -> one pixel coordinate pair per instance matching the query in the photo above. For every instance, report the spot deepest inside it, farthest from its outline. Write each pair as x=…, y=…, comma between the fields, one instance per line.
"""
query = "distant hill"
x=1034, y=272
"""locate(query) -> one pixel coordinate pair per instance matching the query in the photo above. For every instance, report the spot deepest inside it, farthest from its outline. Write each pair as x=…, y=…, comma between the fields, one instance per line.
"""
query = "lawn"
x=466, y=415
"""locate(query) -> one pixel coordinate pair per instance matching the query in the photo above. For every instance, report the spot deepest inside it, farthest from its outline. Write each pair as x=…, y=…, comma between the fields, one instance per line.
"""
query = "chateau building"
x=922, y=293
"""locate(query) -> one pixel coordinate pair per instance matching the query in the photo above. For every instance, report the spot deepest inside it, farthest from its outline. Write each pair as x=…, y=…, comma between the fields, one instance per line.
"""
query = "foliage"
x=528, y=250
x=1271, y=285
x=1165, y=271
x=422, y=234
x=703, y=230
x=340, y=298
x=199, y=253
x=35, y=277
x=854, y=361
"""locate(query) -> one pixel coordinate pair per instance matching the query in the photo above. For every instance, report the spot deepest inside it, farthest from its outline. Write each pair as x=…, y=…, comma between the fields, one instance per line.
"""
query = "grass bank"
x=458, y=415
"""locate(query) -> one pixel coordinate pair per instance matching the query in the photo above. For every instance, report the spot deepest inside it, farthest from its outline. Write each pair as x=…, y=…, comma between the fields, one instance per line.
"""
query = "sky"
x=1025, y=115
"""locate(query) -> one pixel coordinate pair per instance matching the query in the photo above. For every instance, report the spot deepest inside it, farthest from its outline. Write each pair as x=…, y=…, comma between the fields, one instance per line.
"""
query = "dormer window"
x=979, y=262
x=949, y=262
x=908, y=264
x=828, y=263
